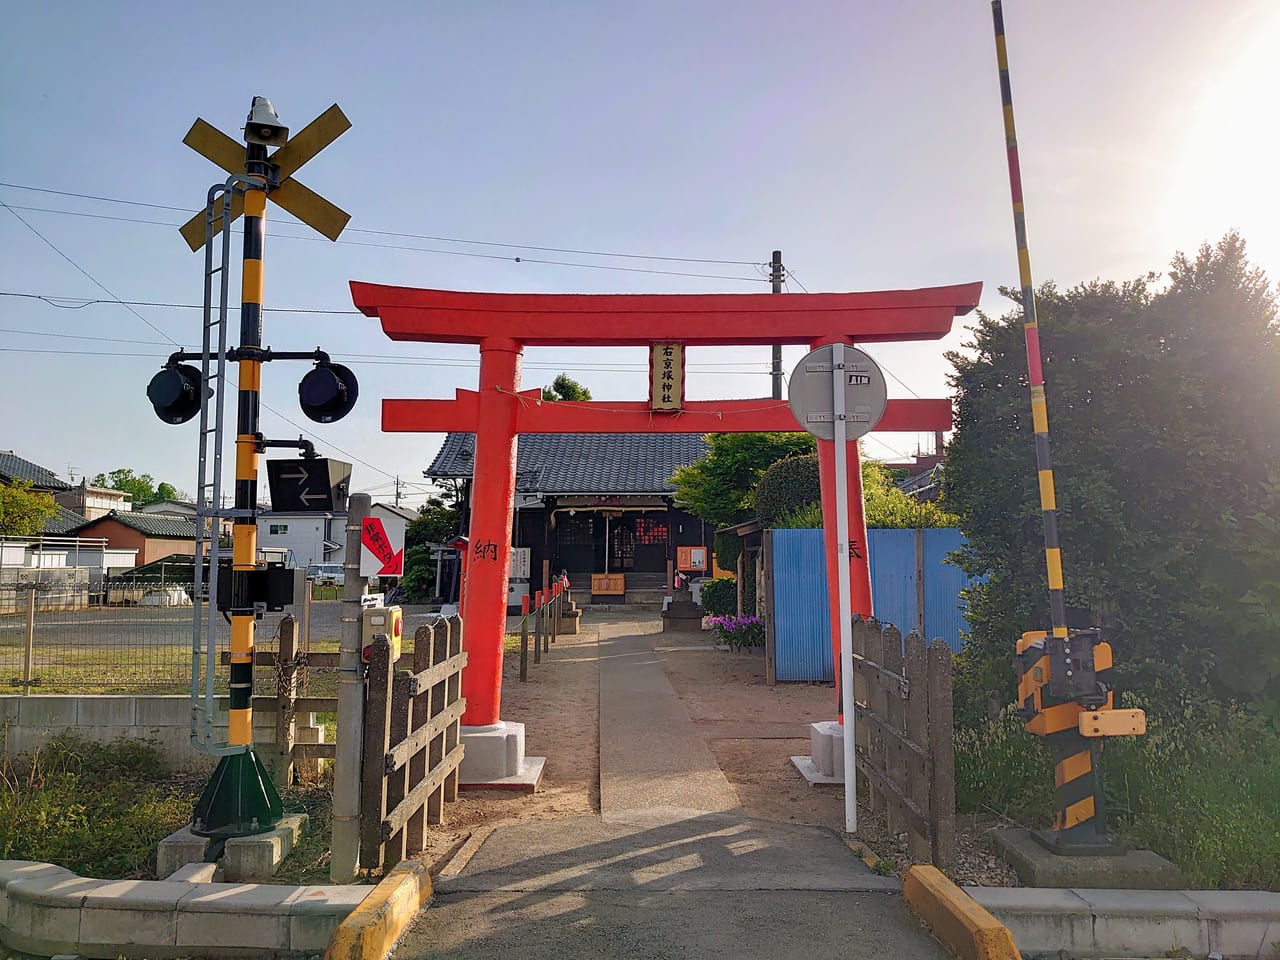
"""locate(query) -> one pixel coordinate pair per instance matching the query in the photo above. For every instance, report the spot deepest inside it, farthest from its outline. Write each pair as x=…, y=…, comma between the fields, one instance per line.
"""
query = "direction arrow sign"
x=316, y=485
x=304, y=203
x=381, y=548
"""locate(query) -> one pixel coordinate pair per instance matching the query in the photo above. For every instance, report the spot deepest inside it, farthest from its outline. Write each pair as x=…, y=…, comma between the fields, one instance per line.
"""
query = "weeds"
x=1202, y=788
x=98, y=810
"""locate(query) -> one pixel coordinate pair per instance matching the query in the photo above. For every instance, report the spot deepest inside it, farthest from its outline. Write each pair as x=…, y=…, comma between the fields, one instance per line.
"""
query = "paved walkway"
x=672, y=867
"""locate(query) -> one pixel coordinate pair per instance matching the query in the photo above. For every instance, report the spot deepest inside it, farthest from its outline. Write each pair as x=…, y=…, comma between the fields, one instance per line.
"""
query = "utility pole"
x=775, y=278
x=397, y=491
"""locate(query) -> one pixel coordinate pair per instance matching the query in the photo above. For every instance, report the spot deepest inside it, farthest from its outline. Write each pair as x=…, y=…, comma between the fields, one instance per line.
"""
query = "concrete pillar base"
x=494, y=759
x=825, y=763
x=256, y=858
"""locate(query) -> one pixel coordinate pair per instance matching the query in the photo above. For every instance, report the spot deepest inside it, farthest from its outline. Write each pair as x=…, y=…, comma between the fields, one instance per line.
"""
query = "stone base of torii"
x=499, y=410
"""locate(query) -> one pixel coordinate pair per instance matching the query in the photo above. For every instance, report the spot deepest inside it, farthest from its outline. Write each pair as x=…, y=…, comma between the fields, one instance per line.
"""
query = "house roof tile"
x=14, y=467
x=565, y=463
x=149, y=524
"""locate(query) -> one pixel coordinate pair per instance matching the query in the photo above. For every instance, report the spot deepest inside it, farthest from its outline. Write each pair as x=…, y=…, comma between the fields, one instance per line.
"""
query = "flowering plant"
x=737, y=631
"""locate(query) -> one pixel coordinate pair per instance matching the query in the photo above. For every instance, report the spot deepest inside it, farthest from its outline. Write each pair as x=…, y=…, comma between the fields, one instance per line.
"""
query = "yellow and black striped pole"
x=1054, y=710
x=240, y=798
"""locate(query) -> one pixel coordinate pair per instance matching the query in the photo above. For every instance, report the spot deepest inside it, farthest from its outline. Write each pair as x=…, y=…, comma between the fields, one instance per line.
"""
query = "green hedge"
x=720, y=597
x=786, y=487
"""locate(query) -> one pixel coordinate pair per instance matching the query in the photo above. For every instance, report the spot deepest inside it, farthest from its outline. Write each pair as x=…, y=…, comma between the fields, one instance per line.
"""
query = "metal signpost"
x=838, y=393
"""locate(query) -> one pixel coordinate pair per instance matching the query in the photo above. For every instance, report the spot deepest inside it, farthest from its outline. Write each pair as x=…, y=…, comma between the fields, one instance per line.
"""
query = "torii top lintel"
x=630, y=319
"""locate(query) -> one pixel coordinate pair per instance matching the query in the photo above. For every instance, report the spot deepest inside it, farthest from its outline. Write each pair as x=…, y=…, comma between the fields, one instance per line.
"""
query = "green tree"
x=23, y=511
x=564, y=387
x=720, y=486
x=142, y=486
x=437, y=522
x=789, y=495
x=1163, y=420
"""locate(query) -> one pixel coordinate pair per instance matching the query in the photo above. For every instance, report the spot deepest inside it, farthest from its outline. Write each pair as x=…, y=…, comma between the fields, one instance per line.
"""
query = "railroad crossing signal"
x=301, y=201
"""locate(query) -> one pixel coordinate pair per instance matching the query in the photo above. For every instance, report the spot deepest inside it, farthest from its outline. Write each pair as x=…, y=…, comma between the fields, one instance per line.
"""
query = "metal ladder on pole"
x=209, y=510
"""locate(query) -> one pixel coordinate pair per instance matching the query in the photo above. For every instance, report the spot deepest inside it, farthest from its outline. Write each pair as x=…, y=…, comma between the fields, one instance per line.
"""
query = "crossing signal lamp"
x=328, y=392
x=174, y=392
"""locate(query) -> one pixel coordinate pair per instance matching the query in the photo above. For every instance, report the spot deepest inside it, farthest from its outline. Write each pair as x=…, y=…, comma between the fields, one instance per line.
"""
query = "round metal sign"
x=811, y=393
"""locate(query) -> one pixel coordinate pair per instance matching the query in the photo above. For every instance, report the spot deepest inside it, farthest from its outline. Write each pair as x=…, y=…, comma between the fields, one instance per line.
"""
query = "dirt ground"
x=752, y=729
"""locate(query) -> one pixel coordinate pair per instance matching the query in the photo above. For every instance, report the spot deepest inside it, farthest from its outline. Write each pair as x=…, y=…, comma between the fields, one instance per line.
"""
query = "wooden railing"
x=903, y=733
x=411, y=743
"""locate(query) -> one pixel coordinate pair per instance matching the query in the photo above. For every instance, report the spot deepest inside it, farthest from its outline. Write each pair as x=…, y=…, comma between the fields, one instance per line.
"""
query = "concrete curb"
x=47, y=910
x=373, y=928
x=1238, y=924
x=955, y=918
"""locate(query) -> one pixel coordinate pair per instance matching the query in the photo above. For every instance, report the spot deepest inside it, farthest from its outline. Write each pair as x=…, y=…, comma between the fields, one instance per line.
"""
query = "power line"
x=92, y=279
x=431, y=250
x=402, y=235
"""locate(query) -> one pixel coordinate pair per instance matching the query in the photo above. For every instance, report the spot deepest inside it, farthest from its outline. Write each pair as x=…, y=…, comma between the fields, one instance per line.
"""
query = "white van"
x=327, y=573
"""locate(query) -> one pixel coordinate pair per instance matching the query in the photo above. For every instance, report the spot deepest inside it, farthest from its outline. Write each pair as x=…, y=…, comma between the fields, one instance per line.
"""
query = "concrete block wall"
x=27, y=723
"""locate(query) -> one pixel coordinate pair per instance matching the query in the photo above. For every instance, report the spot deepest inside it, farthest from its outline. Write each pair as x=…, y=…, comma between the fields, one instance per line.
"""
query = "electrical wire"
x=431, y=250
x=91, y=278
x=414, y=236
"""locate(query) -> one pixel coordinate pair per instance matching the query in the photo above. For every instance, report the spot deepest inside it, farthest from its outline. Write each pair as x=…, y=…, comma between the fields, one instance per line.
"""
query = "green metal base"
x=238, y=801
x=1064, y=844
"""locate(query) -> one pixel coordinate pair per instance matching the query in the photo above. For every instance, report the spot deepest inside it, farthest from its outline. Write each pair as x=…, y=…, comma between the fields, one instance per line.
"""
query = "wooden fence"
x=290, y=664
x=903, y=734
x=411, y=746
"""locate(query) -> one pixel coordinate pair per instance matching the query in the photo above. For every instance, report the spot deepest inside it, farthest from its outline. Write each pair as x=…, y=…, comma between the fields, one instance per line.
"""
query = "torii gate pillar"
x=493, y=493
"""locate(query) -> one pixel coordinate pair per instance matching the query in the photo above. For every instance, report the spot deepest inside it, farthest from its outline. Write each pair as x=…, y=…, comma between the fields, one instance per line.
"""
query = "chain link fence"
x=68, y=634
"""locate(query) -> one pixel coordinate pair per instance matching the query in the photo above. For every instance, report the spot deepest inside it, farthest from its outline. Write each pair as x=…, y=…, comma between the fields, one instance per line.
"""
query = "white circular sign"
x=811, y=393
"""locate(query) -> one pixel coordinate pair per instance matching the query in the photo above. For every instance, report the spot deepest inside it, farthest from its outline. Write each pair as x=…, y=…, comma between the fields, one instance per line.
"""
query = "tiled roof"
x=150, y=524
x=62, y=521
x=563, y=463
x=13, y=467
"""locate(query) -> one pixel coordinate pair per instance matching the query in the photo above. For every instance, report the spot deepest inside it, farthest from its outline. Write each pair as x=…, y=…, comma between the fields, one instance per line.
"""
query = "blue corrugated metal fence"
x=802, y=628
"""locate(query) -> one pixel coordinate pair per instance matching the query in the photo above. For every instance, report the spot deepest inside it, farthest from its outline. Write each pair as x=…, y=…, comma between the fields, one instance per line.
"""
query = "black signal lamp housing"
x=174, y=392
x=328, y=392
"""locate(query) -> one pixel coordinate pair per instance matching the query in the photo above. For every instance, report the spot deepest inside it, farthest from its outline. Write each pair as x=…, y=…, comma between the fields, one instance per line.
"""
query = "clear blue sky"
x=864, y=140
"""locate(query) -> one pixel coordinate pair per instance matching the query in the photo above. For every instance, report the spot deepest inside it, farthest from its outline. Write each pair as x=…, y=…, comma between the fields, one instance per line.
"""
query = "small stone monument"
x=681, y=613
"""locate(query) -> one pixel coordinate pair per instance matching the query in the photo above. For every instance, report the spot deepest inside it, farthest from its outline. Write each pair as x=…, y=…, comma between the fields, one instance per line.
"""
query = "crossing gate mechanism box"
x=379, y=622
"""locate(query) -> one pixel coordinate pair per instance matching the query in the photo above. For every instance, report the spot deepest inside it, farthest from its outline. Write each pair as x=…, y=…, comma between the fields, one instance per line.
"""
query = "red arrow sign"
x=373, y=536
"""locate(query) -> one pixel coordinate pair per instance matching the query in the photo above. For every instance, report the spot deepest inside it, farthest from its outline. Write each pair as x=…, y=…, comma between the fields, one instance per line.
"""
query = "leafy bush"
x=738, y=632
x=787, y=486
x=728, y=548
x=97, y=810
x=1202, y=788
x=720, y=596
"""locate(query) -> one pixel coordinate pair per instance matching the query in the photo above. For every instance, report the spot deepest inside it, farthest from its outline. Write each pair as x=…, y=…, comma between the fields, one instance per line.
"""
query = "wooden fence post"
x=397, y=780
x=876, y=706
x=918, y=769
x=895, y=720
x=415, y=829
x=377, y=734
x=942, y=782
x=439, y=696
x=286, y=691
x=454, y=687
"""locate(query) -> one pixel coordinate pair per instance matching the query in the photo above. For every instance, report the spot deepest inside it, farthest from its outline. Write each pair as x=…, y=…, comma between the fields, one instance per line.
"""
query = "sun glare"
x=1226, y=175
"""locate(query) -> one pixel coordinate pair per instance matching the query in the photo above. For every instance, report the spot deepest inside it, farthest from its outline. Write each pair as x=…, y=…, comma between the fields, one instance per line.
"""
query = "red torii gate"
x=504, y=323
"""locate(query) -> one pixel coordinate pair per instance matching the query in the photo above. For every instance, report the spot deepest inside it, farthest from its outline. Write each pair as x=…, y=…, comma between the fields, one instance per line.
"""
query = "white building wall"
x=304, y=536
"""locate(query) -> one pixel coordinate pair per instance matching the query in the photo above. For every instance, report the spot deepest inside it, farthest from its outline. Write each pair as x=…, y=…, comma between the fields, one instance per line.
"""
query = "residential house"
x=301, y=539
x=154, y=537
x=93, y=502
x=15, y=468
x=600, y=506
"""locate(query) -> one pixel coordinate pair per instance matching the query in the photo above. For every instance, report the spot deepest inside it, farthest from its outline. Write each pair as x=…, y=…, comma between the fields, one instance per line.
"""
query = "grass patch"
x=1202, y=788
x=98, y=810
